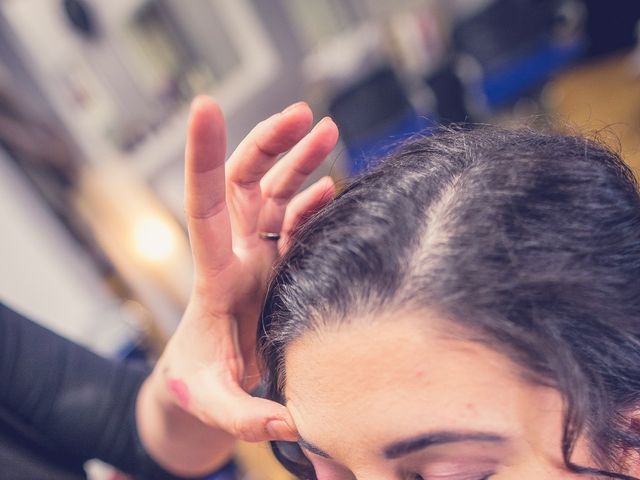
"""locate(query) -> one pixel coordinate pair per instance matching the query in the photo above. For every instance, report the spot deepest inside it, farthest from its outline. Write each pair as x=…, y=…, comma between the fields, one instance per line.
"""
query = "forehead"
x=376, y=381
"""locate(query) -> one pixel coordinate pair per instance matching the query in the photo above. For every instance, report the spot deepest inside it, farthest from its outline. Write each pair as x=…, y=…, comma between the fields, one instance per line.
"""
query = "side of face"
x=384, y=399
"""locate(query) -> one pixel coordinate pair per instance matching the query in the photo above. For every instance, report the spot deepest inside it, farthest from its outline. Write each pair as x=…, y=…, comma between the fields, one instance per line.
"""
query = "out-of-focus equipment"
x=512, y=47
x=372, y=114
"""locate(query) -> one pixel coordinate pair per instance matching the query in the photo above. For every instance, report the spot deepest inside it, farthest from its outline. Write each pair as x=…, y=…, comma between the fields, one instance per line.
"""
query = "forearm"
x=178, y=441
x=84, y=406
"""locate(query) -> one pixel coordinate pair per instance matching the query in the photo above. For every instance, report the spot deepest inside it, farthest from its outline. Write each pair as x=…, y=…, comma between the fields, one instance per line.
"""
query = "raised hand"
x=240, y=214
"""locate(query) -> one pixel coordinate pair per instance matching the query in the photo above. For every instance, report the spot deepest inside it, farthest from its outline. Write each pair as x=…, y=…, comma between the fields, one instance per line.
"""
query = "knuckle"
x=280, y=201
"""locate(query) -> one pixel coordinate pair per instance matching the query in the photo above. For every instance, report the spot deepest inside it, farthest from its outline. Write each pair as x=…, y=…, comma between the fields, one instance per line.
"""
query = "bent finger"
x=255, y=155
x=303, y=205
x=282, y=182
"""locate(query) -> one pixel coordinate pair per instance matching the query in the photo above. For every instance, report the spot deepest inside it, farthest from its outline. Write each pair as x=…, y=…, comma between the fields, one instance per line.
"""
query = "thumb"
x=253, y=419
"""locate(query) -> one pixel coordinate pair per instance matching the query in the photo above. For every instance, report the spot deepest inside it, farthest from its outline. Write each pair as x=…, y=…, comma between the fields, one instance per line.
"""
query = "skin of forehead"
x=366, y=384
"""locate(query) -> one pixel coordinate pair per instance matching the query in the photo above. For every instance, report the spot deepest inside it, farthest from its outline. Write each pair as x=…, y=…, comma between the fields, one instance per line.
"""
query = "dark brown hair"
x=531, y=239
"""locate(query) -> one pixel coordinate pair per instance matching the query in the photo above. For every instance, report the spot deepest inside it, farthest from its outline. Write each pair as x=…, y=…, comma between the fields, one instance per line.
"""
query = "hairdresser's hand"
x=209, y=365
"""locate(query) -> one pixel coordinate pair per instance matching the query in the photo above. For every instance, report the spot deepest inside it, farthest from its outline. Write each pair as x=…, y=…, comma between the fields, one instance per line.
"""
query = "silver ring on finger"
x=272, y=236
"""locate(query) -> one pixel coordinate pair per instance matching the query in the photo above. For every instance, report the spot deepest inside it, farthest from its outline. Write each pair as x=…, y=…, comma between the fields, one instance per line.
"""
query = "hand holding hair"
x=239, y=214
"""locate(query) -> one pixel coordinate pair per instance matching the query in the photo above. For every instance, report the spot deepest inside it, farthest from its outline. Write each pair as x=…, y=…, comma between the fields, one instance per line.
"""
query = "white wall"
x=48, y=277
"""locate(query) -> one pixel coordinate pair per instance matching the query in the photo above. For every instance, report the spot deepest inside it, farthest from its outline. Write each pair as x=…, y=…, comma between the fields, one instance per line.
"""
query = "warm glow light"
x=155, y=240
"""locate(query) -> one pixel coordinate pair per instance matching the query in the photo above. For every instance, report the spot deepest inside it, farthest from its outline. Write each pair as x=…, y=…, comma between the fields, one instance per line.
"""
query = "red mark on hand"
x=181, y=391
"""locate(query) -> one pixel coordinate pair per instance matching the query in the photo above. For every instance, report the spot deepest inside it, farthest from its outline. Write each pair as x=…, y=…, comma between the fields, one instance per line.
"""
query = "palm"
x=243, y=281
x=227, y=206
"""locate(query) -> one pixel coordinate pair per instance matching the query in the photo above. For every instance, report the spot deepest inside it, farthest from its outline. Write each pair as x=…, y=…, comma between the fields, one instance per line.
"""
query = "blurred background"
x=94, y=99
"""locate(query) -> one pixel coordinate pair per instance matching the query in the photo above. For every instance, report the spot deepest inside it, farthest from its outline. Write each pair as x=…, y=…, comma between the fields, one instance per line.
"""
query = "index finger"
x=205, y=205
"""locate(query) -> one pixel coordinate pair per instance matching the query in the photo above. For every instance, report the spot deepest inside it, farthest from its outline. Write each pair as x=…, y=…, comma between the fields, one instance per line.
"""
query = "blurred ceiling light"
x=155, y=239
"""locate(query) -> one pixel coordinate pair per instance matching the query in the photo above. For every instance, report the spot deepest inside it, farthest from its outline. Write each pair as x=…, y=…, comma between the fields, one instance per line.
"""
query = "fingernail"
x=325, y=120
x=280, y=430
x=293, y=107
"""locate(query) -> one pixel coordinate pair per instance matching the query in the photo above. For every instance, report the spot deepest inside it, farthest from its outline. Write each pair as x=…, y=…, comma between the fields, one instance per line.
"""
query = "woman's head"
x=470, y=307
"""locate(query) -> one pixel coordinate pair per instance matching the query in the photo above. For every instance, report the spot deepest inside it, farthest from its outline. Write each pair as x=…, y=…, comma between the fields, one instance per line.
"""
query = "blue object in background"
x=365, y=153
x=504, y=84
x=228, y=472
x=133, y=351
x=518, y=44
x=373, y=115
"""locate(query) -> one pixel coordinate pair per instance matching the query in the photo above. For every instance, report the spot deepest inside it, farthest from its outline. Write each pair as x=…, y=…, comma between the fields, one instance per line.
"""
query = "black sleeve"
x=60, y=398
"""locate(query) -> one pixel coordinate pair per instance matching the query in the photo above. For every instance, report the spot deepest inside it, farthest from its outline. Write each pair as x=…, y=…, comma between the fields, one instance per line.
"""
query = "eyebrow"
x=405, y=447
x=421, y=442
x=310, y=447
